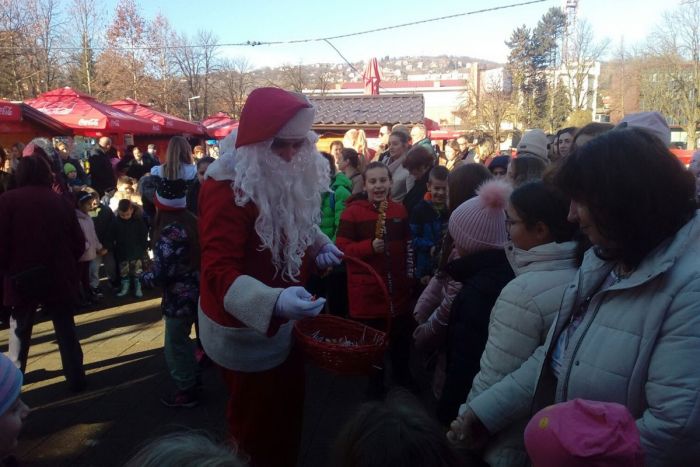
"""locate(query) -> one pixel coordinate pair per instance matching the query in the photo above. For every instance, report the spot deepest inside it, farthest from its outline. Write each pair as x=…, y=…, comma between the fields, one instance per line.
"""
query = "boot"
x=137, y=288
x=125, y=288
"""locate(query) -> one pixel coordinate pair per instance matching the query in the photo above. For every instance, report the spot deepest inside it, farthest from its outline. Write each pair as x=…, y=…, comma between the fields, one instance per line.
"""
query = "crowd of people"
x=548, y=301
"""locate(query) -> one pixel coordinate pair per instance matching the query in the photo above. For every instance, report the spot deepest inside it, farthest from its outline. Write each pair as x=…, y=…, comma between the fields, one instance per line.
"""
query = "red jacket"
x=231, y=248
x=355, y=234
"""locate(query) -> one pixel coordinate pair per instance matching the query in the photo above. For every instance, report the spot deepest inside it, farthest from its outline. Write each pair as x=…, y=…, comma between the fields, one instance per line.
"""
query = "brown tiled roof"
x=336, y=112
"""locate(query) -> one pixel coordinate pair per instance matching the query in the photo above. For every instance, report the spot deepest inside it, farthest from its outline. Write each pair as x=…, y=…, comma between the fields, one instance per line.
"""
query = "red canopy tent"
x=170, y=123
x=21, y=123
x=219, y=125
x=89, y=117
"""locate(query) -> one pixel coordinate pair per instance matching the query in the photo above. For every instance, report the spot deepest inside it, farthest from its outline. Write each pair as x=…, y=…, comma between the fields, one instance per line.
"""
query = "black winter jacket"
x=483, y=275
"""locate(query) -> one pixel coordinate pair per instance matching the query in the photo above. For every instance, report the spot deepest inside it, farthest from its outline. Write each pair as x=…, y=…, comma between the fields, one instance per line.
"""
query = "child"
x=581, y=433
x=375, y=229
x=333, y=202
x=478, y=229
x=193, y=193
x=72, y=179
x=93, y=247
x=12, y=410
x=429, y=223
x=432, y=310
x=126, y=189
x=394, y=433
x=130, y=235
x=176, y=269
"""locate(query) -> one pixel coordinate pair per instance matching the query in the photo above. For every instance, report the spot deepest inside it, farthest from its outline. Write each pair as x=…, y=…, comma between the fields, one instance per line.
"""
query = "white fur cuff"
x=251, y=302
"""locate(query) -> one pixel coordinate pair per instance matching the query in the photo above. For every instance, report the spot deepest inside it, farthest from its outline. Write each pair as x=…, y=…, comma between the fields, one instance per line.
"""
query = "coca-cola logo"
x=89, y=122
x=6, y=111
x=156, y=128
x=57, y=109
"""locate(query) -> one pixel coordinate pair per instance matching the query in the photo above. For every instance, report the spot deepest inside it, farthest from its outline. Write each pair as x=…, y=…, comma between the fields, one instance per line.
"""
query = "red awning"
x=170, y=123
x=90, y=117
x=17, y=117
x=445, y=134
x=219, y=125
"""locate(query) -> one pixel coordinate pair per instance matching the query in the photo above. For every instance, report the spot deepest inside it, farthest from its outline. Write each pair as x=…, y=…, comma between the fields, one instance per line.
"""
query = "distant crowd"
x=546, y=299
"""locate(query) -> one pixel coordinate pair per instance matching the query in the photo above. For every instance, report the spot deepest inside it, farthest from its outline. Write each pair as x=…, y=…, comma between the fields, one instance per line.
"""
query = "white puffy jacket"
x=519, y=323
x=638, y=345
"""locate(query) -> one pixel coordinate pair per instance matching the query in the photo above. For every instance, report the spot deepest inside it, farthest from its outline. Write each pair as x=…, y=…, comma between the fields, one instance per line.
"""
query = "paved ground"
x=105, y=424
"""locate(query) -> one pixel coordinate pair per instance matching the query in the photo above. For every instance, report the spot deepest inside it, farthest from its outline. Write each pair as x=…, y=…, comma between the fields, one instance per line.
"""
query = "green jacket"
x=333, y=204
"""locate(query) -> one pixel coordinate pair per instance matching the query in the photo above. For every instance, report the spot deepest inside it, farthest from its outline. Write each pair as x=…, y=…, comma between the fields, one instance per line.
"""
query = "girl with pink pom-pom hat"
x=479, y=232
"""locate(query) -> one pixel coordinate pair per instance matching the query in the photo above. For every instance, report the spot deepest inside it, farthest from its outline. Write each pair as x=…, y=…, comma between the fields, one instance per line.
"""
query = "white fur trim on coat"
x=251, y=302
x=244, y=349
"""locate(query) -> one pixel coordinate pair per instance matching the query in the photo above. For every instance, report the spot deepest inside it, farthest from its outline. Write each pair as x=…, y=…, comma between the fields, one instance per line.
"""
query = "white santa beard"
x=288, y=198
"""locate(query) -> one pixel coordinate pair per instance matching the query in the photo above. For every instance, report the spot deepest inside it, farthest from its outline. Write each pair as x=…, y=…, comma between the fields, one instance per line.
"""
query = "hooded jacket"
x=637, y=345
x=333, y=204
x=483, y=275
x=518, y=325
x=355, y=235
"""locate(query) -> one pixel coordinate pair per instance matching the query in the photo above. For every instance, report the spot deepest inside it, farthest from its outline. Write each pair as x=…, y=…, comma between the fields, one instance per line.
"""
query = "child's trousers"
x=179, y=351
x=132, y=268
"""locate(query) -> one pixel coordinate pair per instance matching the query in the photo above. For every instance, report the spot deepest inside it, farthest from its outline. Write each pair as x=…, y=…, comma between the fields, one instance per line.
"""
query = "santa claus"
x=260, y=207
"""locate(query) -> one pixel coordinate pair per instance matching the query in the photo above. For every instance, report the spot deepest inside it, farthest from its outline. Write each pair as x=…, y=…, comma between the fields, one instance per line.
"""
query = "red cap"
x=274, y=112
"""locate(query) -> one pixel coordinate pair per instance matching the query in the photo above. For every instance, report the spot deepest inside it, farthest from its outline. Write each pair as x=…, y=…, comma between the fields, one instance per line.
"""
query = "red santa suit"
x=239, y=290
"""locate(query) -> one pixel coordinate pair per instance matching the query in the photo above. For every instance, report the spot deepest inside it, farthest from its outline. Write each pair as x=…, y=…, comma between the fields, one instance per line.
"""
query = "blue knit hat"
x=10, y=383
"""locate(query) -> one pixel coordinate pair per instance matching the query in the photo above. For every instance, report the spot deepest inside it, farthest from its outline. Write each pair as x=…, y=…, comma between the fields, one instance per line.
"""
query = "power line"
x=296, y=41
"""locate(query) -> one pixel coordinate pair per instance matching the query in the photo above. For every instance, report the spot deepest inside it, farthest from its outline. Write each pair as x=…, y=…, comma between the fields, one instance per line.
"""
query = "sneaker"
x=96, y=293
x=181, y=398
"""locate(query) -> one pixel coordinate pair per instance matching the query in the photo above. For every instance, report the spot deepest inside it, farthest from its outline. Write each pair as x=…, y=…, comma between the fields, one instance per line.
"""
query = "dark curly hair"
x=636, y=190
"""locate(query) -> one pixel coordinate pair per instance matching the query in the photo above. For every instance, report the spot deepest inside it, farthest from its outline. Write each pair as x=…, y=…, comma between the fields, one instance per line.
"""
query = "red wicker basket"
x=341, y=345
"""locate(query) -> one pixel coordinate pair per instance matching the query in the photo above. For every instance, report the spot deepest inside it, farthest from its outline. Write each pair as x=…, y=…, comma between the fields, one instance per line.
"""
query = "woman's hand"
x=468, y=431
x=378, y=245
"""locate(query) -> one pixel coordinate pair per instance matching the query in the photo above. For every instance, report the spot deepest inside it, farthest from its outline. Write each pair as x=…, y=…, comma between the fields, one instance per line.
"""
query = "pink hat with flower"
x=582, y=433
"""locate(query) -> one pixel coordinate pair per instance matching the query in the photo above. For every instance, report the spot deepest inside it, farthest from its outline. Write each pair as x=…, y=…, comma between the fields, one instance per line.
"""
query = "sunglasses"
x=284, y=143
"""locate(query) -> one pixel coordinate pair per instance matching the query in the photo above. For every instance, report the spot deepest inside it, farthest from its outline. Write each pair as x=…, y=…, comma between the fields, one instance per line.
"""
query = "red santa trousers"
x=265, y=411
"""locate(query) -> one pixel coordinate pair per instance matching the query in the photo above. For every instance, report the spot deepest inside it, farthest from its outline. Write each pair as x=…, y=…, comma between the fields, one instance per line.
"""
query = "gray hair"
x=185, y=449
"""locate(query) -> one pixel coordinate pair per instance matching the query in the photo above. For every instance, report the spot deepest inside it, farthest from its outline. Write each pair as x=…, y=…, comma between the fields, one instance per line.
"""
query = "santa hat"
x=582, y=433
x=479, y=223
x=10, y=383
x=171, y=195
x=274, y=113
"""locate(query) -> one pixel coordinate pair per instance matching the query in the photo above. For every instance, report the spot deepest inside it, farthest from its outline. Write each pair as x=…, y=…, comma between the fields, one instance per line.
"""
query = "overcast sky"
x=480, y=35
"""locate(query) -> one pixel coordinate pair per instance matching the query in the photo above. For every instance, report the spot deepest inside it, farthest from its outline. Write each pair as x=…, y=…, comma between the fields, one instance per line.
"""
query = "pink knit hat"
x=10, y=383
x=582, y=433
x=479, y=223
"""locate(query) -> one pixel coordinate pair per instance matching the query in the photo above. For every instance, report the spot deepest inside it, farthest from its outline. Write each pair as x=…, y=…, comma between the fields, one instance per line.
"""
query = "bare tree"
x=488, y=107
x=294, y=77
x=88, y=18
x=45, y=32
x=234, y=82
x=14, y=25
x=207, y=42
x=169, y=95
x=671, y=79
x=123, y=62
x=583, y=53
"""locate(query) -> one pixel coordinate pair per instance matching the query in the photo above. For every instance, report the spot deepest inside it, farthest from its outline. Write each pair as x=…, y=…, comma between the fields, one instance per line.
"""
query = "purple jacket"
x=38, y=227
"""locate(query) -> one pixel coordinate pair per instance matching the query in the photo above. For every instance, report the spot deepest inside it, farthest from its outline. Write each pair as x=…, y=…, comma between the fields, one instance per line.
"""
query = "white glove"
x=297, y=303
x=328, y=256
